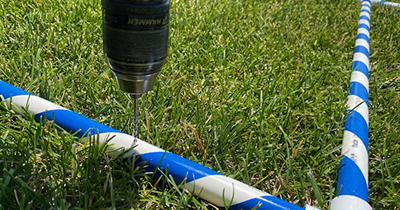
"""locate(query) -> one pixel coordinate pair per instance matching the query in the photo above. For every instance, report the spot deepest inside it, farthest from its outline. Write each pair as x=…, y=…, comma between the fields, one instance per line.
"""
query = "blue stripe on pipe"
x=82, y=124
x=363, y=25
x=366, y=10
x=179, y=167
x=267, y=202
x=351, y=181
x=356, y=124
x=359, y=90
x=361, y=67
x=363, y=36
x=364, y=18
x=361, y=49
x=367, y=5
x=8, y=90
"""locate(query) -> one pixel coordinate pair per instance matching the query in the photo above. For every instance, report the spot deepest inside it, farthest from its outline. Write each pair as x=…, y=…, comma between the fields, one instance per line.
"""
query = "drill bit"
x=135, y=115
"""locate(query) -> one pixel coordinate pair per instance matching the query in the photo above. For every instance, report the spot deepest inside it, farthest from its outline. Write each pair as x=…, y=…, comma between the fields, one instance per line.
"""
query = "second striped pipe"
x=353, y=172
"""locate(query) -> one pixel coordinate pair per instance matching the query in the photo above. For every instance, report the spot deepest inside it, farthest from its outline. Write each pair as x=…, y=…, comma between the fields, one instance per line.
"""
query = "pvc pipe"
x=199, y=180
x=353, y=173
x=390, y=4
x=385, y=3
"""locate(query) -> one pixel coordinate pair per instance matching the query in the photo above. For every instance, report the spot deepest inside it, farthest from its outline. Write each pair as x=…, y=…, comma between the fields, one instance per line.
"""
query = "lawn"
x=255, y=90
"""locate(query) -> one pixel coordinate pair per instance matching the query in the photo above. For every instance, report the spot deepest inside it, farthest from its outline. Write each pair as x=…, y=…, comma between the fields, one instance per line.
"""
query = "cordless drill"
x=135, y=42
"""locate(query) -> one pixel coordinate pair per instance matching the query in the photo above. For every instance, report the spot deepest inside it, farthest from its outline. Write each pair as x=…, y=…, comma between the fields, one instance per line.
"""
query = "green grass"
x=255, y=90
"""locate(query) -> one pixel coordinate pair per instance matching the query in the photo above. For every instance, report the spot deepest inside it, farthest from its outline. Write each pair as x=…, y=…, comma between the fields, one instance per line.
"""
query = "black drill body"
x=135, y=41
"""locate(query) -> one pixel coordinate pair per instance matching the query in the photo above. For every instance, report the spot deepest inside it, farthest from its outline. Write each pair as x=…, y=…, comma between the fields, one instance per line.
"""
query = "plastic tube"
x=353, y=172
x=390, y=4
x=199, y=180
x=385, y=3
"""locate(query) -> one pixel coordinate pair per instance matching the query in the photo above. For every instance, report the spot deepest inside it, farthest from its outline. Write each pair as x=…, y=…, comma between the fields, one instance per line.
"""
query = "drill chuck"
x=135, y=41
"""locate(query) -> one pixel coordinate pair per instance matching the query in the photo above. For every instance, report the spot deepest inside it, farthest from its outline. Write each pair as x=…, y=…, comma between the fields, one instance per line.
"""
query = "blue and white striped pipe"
x=201, y=181
x=385, y=3
x=389, y=4
x=353, y=172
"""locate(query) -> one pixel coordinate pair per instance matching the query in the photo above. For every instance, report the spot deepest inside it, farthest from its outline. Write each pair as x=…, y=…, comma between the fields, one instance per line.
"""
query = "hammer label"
x=147, y=22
